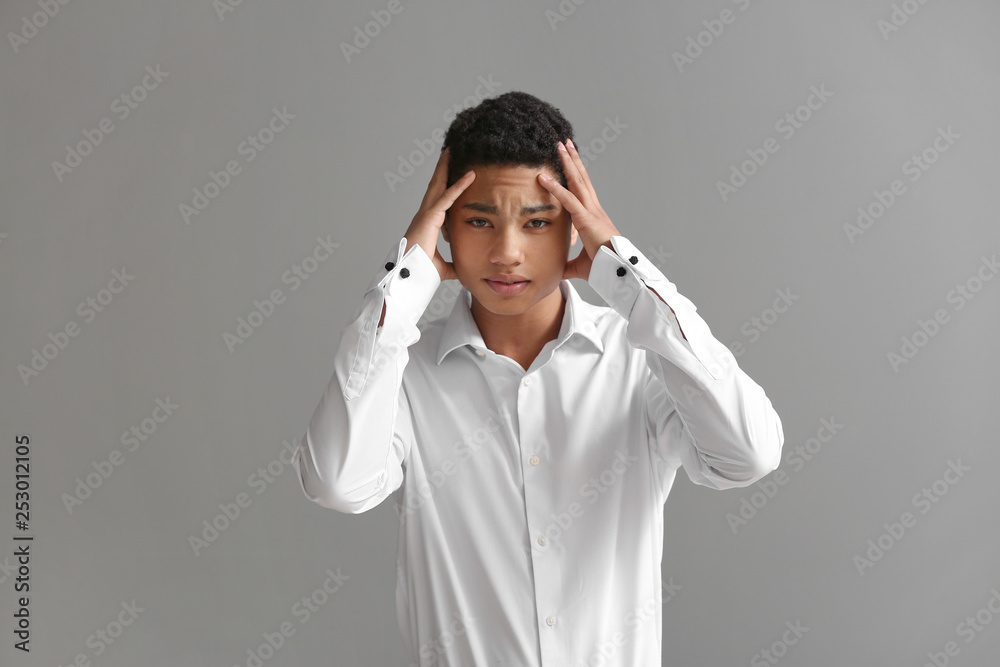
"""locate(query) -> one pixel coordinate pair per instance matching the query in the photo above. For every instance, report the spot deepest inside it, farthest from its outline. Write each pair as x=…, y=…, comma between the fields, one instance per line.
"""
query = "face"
x=507, y=223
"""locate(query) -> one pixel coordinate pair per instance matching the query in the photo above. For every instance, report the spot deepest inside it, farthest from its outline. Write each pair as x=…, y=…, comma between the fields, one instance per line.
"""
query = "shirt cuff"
x=406, y=282
x=624, y=275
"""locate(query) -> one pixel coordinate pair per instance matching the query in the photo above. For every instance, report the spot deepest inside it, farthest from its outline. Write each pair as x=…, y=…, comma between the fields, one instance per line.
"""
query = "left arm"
x=729, y=434
x=703, y=411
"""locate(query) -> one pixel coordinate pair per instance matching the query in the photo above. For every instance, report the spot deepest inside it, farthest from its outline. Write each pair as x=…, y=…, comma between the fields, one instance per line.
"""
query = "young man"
x=530, y=438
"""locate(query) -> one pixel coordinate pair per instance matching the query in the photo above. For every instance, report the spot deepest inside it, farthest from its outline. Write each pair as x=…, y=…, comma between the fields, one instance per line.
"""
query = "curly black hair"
x=510, y=130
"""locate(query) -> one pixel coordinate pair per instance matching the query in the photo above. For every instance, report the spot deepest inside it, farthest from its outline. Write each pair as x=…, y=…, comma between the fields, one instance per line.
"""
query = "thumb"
x=572, y=269
x=446, y=270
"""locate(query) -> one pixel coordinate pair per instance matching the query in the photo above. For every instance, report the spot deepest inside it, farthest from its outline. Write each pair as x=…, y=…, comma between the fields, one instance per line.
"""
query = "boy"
x=530, y=438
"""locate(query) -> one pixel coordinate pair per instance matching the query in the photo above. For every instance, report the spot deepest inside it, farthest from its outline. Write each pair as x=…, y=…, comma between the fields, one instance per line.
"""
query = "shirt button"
x=621, y=270
x=633, y=259
x=542, y=540
x=404, y=272
x=527, y=381
x=535, y=460
x=551, y=620
x=389, y=265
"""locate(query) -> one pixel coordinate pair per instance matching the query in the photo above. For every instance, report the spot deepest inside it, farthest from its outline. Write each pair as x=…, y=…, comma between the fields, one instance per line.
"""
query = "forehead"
x=495, y=182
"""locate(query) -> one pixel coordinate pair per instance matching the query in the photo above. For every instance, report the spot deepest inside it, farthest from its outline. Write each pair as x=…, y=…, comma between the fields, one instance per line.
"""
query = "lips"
x=507, y=278
x=506, y=286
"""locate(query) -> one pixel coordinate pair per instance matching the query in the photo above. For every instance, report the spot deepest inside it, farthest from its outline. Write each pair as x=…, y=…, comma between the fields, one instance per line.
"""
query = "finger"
x=438, y=180
x=449, y=196
x=578, y=161
x=574, y=178
x=565, y=197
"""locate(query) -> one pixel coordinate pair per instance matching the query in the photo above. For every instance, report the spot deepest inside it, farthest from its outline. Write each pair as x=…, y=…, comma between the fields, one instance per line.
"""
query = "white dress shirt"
x=531, y=502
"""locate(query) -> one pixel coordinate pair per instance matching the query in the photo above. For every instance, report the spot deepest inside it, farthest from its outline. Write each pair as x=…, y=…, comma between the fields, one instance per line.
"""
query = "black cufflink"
x=621, y=270
x=389, y=265
x=404, y=272
x=633, y=259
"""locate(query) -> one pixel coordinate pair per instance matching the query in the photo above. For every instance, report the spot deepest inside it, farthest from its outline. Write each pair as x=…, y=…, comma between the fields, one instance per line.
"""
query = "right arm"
x=351, y=457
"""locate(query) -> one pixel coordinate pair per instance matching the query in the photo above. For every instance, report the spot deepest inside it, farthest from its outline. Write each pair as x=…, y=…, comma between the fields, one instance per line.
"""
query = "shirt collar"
x=579, y=318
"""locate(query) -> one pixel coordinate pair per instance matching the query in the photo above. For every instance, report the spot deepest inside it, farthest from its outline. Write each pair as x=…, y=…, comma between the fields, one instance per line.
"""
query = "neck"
x=521, y=336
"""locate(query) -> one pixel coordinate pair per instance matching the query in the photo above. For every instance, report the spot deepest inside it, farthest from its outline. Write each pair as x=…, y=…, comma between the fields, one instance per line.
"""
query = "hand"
x=426, y=224
x=592, y=223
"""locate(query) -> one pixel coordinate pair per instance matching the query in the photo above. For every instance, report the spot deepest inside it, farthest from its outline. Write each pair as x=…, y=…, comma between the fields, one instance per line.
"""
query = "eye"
x=473, y=222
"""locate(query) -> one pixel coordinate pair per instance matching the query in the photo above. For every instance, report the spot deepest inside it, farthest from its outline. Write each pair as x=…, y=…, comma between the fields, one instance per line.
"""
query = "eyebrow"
x=493, y=210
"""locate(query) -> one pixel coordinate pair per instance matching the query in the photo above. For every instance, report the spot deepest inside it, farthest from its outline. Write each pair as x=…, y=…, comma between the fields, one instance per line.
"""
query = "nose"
x=507, y=249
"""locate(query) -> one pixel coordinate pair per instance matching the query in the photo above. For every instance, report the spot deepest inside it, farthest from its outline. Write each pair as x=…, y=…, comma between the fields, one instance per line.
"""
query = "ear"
x=572, y=234
x=444, y=228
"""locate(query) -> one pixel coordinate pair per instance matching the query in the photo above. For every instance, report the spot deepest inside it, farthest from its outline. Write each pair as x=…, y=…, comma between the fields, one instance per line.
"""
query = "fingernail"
x=569, y=142
x=561, y=147
x=546, y=177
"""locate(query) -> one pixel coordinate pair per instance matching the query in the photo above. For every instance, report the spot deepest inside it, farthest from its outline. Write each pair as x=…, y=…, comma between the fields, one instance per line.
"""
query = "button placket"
x=544, y=567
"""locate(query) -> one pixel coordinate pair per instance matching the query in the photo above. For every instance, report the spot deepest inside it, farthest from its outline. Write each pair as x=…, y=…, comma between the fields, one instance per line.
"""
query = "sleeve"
x=702, y=411
x=354, y=448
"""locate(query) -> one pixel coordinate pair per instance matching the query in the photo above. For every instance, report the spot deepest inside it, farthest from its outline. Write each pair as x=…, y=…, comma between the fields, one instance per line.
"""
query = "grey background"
x=324, y=175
